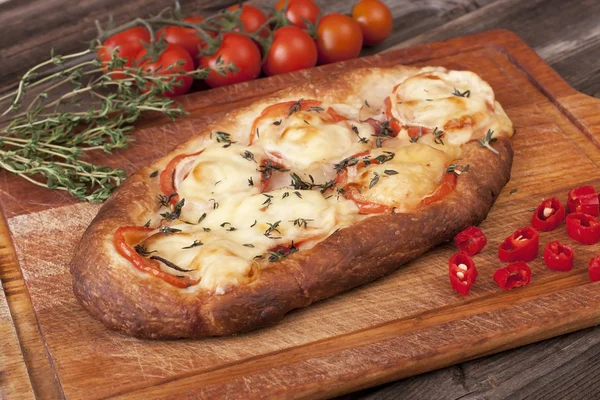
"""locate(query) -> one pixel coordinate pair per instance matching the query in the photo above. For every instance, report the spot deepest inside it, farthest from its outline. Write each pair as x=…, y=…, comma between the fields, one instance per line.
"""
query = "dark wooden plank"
x=565, y=33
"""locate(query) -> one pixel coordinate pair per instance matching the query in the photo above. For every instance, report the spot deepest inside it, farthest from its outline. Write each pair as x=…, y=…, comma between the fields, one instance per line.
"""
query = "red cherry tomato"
x=184, y=37
x=252, y=18
x=173, y=59
x=129, y=42
x=339, y=38
x=292, y=49
x=297, y=10
x=239, y=50
x=375, y=20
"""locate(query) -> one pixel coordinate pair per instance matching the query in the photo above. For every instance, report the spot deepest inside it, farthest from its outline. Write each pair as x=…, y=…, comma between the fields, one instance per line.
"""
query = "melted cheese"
x=413, y=173
x=458, y=102
x=227, y=227
x=304, y=138
x=219, y=172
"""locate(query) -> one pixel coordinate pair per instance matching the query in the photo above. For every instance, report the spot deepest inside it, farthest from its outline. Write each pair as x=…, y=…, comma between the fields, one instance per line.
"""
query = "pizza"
x=302, y=195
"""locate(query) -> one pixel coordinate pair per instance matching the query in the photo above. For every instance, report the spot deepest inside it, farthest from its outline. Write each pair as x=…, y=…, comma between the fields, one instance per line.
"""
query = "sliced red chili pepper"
x=513, y=276
x=558, y=257
x=548, y=215
x=462, y=272
x=136, y=234
x=522, y=245
x=583, y=228
x=583, y=199
x=284, y=110
x=471, y=240
x=444, y=189
x=167, y=177
x=594, y=269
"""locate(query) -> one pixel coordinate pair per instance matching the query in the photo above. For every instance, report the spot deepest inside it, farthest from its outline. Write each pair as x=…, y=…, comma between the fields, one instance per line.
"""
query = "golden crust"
x=140, y=305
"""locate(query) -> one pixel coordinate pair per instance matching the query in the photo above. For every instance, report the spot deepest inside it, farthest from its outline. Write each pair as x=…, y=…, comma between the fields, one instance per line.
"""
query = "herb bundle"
x=52, y=121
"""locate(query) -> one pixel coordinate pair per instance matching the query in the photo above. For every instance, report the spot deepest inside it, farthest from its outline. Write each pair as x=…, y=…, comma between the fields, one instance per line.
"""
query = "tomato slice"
x=136, y=234
x=167, y=177
x=444, y=189
x=335, y=116
x=365, y=207
x=281, y=109
x=414, y=131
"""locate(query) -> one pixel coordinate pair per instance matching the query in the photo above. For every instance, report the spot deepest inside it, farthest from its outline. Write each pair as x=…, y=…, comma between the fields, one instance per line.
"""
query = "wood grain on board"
x=14, y=382
x=407, y=323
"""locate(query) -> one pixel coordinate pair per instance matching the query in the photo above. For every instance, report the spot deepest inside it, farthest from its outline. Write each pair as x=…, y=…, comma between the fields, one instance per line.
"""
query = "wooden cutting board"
x=406, y=323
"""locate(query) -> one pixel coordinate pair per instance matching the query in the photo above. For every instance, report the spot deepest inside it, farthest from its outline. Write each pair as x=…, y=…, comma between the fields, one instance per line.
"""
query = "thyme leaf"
x=165, y=201
x=267, y=167
x=167, y=230
x=176, y=213
x=196, y=243
x=458, y=169
x=360, y=138
x=272, y=228
x=487, y=139
x=248, y=155
x=170, y=264
x=374, y=180
x=457, y=92
x=142, y=250
x=301, y=222
x=437, y=134
x=295, y=107
x=222, y=137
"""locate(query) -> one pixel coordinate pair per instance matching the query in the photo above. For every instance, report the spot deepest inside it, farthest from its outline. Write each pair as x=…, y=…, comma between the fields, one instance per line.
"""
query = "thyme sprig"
x=487, y=139
x=48, y=144
x=176, y=213
x=299, y=184
x=367, y=160
x=273, y=227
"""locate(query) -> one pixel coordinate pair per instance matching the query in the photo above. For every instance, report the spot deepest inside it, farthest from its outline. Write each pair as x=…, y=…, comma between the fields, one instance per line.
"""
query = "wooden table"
x=565, y=34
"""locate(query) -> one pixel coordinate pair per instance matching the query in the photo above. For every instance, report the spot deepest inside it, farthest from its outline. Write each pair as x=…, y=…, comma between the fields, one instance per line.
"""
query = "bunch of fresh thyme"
x=52, y=120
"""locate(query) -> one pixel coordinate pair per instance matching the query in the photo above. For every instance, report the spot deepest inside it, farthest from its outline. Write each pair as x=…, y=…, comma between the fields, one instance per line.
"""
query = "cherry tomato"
x=168, y=63
x=292, y=49
x=375, y=20
x=297, y=10
x=129, y=42
x=339, y=38
x=239, y=50
x=184, y=37
x=252, y=18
